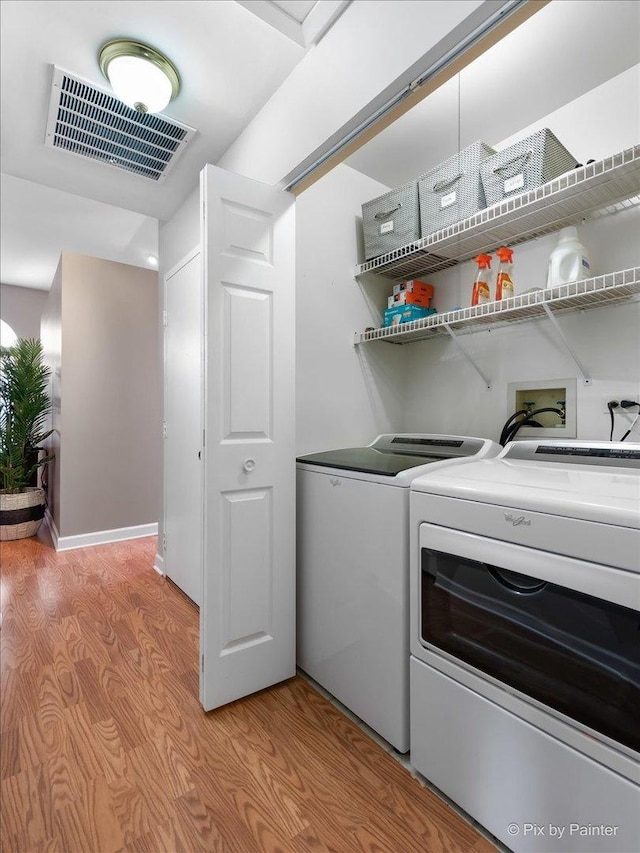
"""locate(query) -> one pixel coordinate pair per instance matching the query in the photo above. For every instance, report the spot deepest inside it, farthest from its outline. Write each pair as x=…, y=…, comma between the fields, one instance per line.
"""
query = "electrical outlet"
x=616, y=398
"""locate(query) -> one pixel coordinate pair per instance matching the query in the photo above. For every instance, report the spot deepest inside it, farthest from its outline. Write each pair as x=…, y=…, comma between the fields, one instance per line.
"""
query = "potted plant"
x=24, y=409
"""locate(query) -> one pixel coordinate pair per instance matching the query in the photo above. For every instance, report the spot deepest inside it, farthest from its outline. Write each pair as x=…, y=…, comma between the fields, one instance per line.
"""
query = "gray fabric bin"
x=524, y=166
x=452, y=190
x=391, y=220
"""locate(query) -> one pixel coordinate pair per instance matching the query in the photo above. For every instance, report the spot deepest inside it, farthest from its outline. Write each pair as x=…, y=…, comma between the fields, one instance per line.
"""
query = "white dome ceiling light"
x=140, y=76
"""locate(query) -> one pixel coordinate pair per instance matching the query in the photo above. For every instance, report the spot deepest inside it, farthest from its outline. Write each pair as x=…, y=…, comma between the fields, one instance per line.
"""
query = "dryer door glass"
x=575, y=653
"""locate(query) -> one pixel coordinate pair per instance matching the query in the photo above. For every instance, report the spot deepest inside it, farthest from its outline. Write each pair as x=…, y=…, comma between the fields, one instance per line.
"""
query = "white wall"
x=372, y=52
x=443, y=393
x=21, y=308
x=488, y=98
x=597, y=124
x=346, y=395
x=177, y=237
x=51, y=336
x=442, y=390
x=180, y=234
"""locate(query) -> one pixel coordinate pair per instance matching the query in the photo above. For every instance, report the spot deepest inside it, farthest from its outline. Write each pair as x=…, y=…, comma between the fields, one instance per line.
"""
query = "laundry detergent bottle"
x=504, y=282
x=481, y=291
x=569, y=261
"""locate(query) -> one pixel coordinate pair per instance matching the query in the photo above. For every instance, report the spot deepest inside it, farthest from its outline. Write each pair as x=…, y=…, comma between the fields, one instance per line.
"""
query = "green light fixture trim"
x=140, y=76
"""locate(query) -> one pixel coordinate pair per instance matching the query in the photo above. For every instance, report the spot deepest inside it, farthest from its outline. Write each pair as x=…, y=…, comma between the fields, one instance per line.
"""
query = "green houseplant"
x=24, y=409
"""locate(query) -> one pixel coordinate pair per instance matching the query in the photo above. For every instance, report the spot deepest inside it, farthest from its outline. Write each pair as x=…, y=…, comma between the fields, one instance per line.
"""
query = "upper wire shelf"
x=588, y=192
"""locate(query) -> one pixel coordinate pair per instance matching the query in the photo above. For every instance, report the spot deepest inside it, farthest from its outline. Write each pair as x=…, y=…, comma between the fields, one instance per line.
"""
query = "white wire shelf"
x=588, y=192
x=590, y=293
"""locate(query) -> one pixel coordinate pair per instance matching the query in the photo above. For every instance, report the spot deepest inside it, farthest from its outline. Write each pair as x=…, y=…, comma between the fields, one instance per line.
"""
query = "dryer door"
x=570, y=650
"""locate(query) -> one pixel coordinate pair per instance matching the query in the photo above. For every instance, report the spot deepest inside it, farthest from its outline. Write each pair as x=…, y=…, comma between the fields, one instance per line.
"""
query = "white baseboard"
x=158, y=565
x=101, y=537
x=53, y=530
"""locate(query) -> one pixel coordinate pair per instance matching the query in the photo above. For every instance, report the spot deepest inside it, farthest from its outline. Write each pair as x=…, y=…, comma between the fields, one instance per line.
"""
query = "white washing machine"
x=525, y=643
x=353, y=569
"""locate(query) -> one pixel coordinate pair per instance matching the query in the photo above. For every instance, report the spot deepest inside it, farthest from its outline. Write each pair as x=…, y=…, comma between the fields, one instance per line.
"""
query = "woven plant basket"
x=21, y=513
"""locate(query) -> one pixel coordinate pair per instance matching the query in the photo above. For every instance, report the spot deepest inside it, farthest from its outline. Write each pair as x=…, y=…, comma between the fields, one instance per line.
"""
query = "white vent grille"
x=89, y=122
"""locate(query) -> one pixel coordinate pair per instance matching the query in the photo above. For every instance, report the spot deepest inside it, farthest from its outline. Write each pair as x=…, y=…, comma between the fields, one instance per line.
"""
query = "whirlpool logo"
x=517, y=520
x=335, y=482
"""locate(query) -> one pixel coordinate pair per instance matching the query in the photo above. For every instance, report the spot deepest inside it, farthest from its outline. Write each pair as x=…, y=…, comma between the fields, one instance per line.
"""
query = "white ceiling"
x=230, y=62
x=297, y=9
x=303, y=21
x=38, y=223
x=565, y=50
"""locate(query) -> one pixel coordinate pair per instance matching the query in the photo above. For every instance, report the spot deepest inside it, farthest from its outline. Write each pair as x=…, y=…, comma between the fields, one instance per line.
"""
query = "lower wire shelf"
x=594, y=292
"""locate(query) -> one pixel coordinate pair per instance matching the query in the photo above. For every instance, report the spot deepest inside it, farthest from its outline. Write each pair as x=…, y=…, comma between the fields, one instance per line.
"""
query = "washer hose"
x=503, y=434
x=509, y=432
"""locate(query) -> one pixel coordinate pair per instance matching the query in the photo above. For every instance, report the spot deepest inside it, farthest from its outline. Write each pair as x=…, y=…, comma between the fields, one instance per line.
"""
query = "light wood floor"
x=104, y=745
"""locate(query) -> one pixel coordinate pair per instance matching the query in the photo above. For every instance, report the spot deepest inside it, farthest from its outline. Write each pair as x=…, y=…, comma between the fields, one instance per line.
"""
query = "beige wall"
x=21, y=308
x=109, y=472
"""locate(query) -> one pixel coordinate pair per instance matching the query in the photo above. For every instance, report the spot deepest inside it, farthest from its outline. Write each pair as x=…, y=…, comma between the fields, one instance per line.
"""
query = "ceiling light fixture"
x=140, y=76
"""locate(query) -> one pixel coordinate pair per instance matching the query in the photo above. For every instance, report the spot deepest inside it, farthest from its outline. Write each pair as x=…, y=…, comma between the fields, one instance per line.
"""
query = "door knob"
x=249, y=465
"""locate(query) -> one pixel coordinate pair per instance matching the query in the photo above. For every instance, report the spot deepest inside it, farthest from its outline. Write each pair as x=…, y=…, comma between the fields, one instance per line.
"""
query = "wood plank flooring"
x=104, y=746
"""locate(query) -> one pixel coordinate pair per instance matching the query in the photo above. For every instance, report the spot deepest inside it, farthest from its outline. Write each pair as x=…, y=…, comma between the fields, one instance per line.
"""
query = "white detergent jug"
x=569, y=261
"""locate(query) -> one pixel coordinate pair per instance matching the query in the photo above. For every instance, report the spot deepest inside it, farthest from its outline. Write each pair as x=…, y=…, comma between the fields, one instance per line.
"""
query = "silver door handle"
x=249, y=465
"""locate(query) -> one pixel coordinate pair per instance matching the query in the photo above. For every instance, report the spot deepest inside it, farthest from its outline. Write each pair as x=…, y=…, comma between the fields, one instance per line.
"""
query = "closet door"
x=247, y=614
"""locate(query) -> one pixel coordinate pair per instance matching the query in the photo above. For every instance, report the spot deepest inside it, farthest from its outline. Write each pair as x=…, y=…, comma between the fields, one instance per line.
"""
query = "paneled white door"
x=247, y=616
x=183, y=484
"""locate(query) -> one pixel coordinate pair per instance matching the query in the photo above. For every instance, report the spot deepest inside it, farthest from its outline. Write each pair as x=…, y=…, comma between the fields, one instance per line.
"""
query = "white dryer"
x=525, y=643
x=353, y=569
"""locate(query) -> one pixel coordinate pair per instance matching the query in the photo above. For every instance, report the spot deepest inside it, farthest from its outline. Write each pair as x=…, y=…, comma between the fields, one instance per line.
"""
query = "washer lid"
x=560, y=485
x=391, y=454
x=368, y=460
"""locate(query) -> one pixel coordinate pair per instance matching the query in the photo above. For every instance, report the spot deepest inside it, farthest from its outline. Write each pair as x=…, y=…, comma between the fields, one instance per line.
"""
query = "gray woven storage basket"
x=391, y=220
x=524, y=166
x=453, y=190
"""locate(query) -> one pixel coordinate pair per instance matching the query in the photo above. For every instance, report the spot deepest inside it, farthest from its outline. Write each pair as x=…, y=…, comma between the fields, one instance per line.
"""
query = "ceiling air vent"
x=87, y=121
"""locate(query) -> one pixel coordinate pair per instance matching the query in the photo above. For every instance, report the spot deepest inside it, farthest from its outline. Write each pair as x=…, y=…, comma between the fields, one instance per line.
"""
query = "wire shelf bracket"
x=466, y=354
x=554, y=322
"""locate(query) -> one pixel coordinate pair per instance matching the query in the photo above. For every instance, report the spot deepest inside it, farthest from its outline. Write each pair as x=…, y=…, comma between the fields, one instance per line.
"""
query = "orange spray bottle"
x=481, y=290
x=504, y=283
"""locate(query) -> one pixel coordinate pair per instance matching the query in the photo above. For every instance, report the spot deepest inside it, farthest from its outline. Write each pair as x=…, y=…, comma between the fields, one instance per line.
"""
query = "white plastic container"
x=569, y=261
